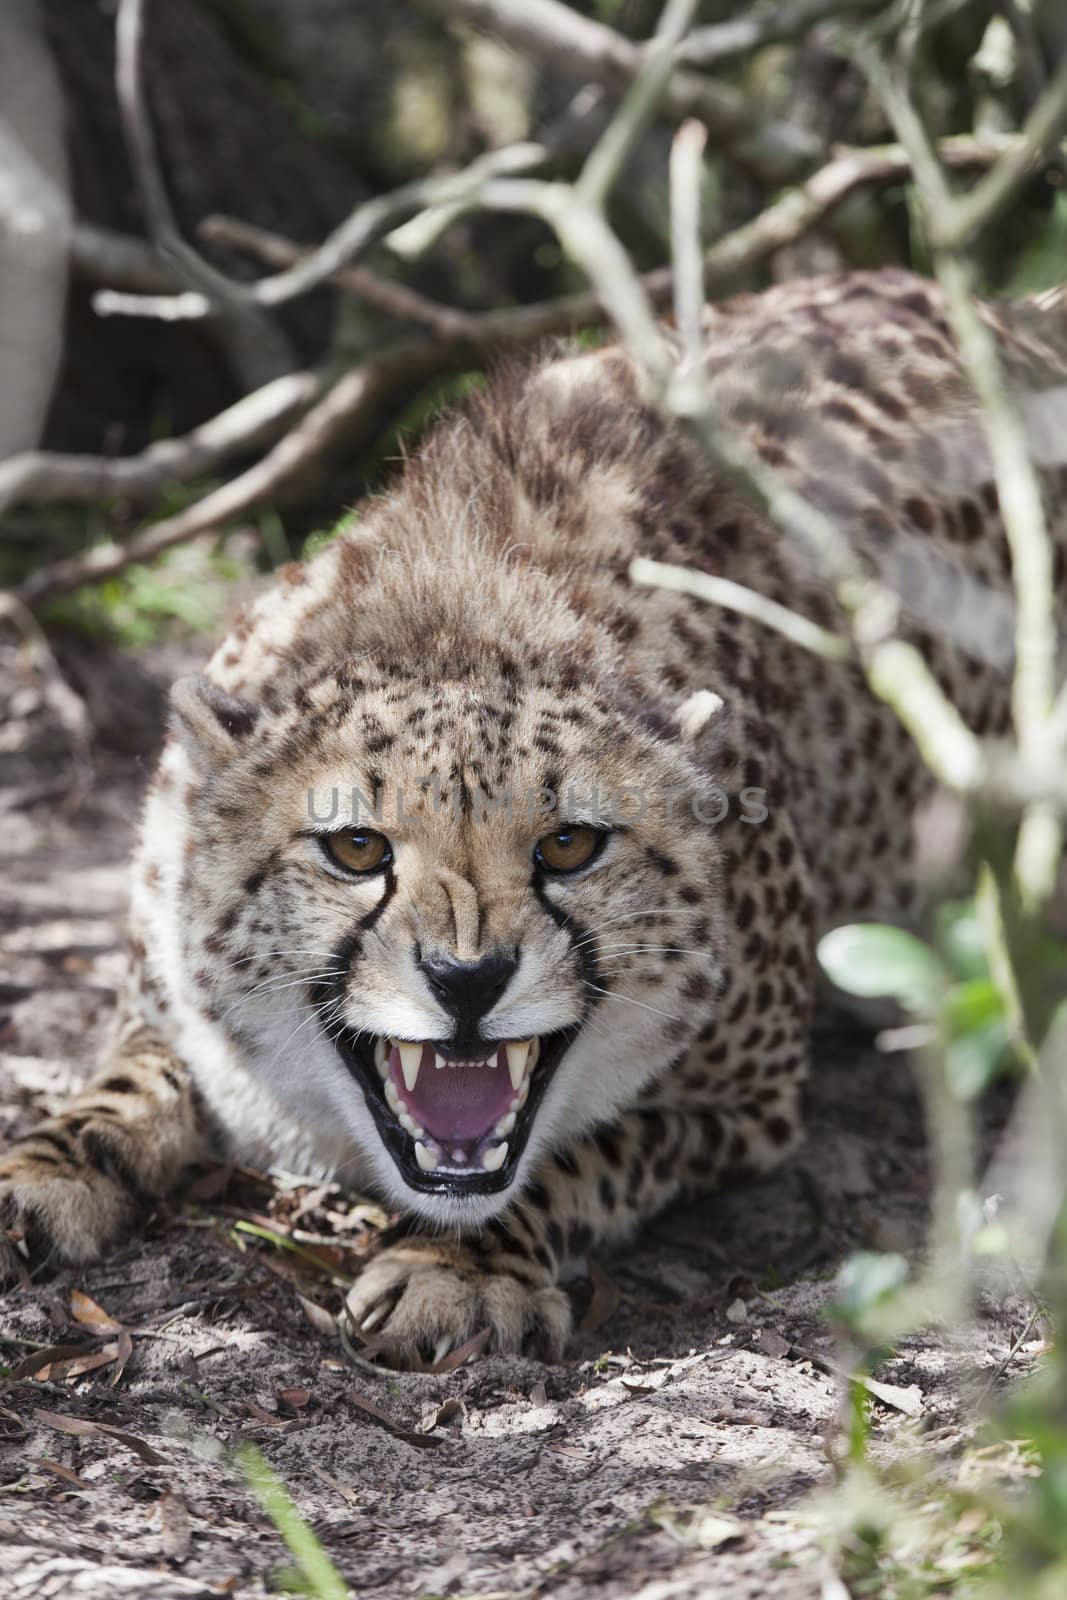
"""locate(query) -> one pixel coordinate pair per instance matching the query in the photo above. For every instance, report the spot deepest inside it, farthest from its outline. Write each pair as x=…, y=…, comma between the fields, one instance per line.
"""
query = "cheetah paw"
x=59, y=1201
x=427, y=1299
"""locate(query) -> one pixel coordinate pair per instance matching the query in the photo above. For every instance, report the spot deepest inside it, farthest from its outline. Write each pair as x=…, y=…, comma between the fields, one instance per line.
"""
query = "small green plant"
x=315, y=1573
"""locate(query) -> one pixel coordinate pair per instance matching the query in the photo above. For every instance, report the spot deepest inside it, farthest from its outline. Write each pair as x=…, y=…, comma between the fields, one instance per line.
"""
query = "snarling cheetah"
x=490, y=882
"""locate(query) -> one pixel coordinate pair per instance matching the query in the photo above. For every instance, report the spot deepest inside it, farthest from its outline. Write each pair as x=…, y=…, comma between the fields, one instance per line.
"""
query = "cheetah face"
x=479, y=949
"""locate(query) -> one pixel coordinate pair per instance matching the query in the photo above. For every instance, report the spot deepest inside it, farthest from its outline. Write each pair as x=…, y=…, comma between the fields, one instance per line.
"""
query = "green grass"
x=315, y=1573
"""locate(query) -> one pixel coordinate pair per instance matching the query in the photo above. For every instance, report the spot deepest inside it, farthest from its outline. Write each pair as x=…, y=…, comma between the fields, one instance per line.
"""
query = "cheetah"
x=489, y=882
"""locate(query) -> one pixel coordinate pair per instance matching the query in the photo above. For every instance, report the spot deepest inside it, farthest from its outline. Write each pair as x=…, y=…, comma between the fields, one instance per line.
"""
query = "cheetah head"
x=459, y=921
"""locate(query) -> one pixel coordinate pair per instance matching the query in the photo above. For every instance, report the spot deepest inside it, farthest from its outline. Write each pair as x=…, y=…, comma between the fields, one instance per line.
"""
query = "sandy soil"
x=679, y=1451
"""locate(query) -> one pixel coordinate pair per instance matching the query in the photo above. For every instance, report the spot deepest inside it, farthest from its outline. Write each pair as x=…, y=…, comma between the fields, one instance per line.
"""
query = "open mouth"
x=455, y=1124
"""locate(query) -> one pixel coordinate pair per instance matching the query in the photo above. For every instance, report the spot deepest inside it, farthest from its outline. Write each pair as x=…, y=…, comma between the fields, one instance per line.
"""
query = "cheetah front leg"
x=72, y=1185
x=429, y=1295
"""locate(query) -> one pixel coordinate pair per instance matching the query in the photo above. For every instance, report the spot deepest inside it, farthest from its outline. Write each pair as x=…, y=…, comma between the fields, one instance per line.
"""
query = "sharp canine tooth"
x=518, y=1050
x=410, y=1062
x=495, y=1157
x=439, y=1061
x=425, y=1157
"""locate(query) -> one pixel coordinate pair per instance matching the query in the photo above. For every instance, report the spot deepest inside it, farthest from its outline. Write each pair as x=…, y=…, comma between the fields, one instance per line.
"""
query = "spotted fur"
x=475, y=635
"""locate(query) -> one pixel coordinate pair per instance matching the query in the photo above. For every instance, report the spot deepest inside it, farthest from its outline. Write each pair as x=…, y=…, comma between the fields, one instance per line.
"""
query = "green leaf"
x=961, y=938
x=971, y=1005
x=873, y=959
x=866, y=1281
x=975, y=1058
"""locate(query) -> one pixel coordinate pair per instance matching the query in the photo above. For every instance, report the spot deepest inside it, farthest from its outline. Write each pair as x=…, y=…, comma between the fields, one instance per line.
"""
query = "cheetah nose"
x=468, y=989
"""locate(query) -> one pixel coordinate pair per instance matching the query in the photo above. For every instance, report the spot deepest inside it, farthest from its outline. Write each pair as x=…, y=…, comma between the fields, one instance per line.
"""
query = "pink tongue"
x=455, y=1102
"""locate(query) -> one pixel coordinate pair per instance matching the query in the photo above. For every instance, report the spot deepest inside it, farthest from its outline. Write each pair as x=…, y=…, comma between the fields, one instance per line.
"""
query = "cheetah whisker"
x=611, y=995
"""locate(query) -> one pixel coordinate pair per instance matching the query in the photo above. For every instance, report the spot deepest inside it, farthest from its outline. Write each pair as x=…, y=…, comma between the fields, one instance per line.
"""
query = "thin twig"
x=44, y=477
x=1018, y=488
x=349, y=412
x=581, y=47
x=686, y=179
x=957, y=227
x=764, y=25
x=639, y=105
x=259, y=349
x=782, y=223
x=799, y=630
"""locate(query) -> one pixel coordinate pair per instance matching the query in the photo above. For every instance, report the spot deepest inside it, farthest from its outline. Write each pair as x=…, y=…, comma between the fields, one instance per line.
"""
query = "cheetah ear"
x=209, y=721
x=694, y=714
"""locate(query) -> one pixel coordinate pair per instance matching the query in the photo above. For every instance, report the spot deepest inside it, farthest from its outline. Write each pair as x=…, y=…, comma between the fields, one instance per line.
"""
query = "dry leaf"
x=345, y=1490
x=709, y=1529
x=296, y=1398
x=604, y=1302
x=39, y=1364
x=648, y=1383
x=87, y=1312
x=60, y=1471
x=448, y=1411
x=82, y=1428
x=737, y=1311
x=539, y=1394
x=423, y=1440
x=102, y=1357
x=473, y=1347
x=772, y=1344
x=211, y=1184
x=321, y=1320
x=569, y=1450
x=909, y=1400
x=125, y=1351
x=267, y=1418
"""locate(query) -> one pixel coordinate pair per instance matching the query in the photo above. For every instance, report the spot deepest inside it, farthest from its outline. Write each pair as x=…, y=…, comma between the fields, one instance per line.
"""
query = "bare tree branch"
x=686, y=180
x=258, y=347
x=959, y=225
x=764, y=25
x=43, y=477
x=582, y=47
x=639, y=106
x=1018, y=489
x=783, y=222
x=101, y=256
x=349, y=413
x=748, y=602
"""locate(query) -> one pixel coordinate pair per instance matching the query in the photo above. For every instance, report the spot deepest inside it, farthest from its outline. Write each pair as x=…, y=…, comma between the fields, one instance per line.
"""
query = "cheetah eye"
x=569, y=849
x=358, y=850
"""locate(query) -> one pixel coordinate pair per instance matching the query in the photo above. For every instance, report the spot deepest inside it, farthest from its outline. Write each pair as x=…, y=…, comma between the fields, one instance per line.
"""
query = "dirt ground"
x=678, y=1452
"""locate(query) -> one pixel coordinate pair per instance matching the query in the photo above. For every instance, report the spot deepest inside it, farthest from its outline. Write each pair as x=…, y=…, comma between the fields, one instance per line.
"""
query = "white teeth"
x=518, y=1050
x=407, y=1122
x=495, y=1157
x=381, y=1056
x=505, y=1125
x=425, y=1157
x=439, y=1061
x=410, y=1062
x=391, y=1095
